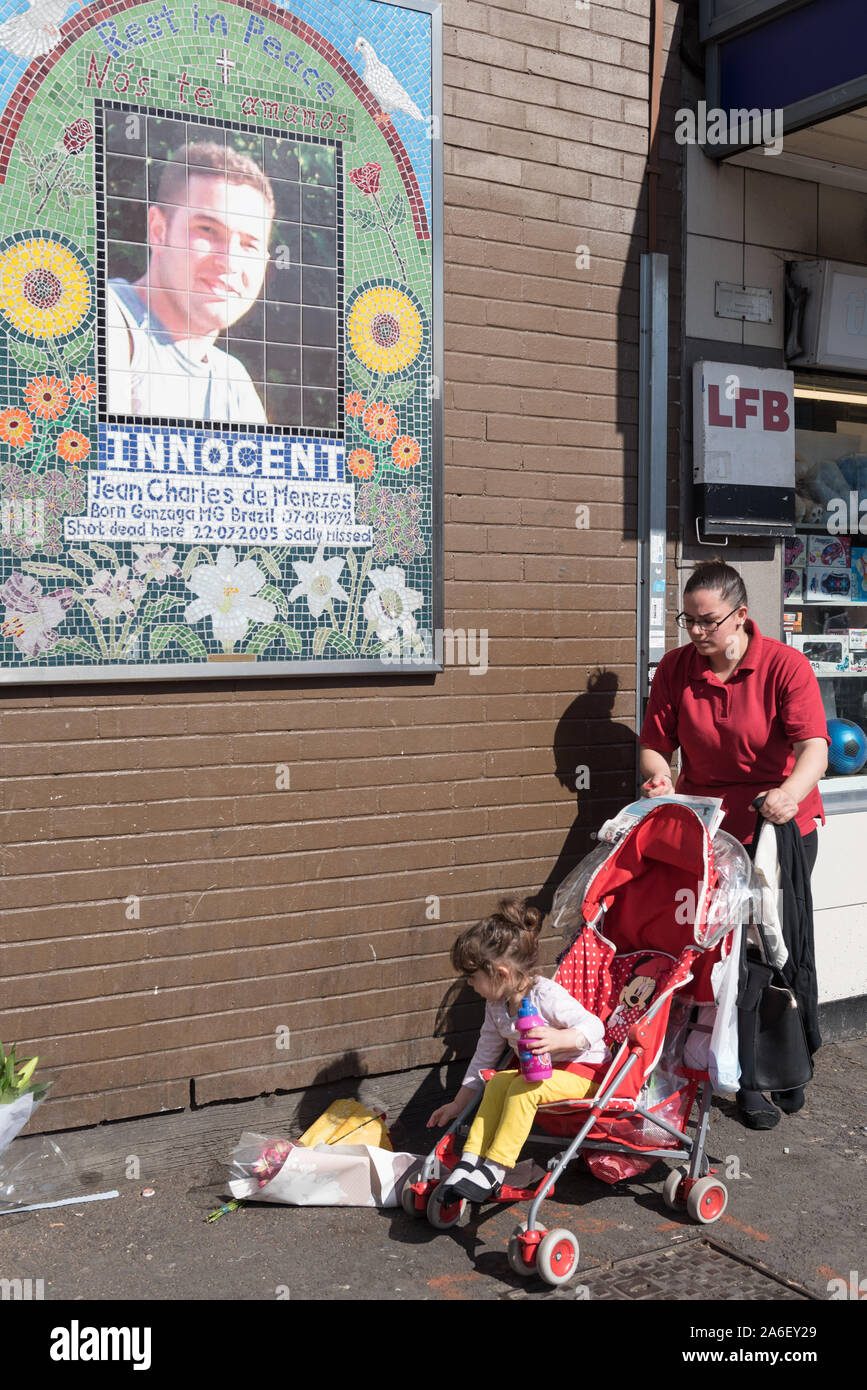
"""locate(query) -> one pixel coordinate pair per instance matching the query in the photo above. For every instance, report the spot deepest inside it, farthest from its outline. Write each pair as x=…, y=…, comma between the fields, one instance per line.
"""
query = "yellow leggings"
x=505, y=1116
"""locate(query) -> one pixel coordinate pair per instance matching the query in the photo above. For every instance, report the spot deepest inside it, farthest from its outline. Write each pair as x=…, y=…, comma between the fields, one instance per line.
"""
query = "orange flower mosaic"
x=73, y=446
x=16, y=427
x=46, y=396
x=406, y=451
x=355, y=403
x=361, y=463
x=83, y=388
x=379, y=421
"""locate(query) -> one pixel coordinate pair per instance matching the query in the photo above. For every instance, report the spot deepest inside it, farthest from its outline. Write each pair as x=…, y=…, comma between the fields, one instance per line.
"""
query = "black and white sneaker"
x=461, y=1170
x=482, y=1184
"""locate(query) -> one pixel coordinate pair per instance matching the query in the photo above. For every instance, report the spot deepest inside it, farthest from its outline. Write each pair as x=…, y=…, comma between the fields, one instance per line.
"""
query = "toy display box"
x=859, y=573
x=832, y=552
x=795, y=552
x=793, y=585
x=793, y=620
x=823, y=585
x=858, y=649
x=828, y=655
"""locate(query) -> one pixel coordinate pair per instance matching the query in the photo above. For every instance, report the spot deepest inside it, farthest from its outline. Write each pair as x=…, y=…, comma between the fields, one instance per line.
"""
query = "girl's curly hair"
x=510, y=937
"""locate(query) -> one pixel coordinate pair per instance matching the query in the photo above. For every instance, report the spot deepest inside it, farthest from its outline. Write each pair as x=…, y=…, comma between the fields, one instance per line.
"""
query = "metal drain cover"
x=695, y=1270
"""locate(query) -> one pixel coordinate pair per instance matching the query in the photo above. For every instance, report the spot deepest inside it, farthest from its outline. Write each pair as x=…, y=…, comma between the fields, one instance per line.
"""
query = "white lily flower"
x=114, y=593
x=155, y=562
x=407, y=643
x=226, y=595
x=389, y=608
x=32, y=616
x=318, y=581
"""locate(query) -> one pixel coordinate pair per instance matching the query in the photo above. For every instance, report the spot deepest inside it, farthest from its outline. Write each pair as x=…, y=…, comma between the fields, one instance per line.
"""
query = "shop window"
x=825, y=568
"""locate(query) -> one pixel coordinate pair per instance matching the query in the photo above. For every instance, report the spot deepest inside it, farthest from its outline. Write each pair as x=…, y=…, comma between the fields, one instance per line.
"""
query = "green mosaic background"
x=91, y=608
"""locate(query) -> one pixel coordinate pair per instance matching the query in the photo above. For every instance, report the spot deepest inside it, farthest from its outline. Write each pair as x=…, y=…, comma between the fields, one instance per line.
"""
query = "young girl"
x=498, y=956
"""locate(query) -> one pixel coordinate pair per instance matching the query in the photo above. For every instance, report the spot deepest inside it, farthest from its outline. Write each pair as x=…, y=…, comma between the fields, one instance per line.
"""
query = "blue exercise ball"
x=848, y=751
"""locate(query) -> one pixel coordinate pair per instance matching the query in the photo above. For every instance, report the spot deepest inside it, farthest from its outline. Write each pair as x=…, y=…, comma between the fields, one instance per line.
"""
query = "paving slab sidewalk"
x=795, y=1212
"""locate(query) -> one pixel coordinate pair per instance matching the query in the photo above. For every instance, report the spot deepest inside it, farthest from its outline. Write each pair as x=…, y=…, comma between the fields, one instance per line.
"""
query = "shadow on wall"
x=458, y=1020
x=594, y=757
x=344, y=1078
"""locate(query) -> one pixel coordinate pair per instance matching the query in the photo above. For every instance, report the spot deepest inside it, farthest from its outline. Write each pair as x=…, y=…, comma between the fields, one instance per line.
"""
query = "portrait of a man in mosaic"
x=221, y=256
x=208, y=229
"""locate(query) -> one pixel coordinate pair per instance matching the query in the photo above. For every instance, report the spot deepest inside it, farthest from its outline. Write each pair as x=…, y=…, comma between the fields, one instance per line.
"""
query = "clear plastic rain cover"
x=736, y=892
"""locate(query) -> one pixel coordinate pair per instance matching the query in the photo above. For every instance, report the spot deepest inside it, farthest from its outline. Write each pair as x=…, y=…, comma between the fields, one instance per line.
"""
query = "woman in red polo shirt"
x=747, y=715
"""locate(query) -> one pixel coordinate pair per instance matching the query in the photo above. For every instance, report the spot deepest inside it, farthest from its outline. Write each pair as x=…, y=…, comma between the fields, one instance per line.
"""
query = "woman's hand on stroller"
x=777, y=805
x=657, y=785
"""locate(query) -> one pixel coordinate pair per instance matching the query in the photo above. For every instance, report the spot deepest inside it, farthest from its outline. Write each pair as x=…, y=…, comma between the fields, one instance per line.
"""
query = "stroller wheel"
x=516, y=1257
x=444, y=1214
x=706, y=1201
x=557, y=1257
x=407, y=1197
x=672, y=1183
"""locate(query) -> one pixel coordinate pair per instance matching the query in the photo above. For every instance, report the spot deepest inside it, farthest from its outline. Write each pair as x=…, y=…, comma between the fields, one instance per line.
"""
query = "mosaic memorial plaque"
x=220, y=338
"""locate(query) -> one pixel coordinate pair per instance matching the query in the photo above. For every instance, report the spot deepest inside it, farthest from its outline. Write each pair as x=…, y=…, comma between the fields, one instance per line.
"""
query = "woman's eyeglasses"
x=705, y=624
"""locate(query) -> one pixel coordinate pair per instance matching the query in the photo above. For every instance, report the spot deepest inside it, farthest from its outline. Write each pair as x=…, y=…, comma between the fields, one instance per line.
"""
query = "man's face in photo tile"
x=208, y=260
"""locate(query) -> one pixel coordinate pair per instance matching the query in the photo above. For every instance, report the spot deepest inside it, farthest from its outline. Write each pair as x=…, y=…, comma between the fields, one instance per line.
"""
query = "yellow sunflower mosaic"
x=44, y=287
x=386, y=328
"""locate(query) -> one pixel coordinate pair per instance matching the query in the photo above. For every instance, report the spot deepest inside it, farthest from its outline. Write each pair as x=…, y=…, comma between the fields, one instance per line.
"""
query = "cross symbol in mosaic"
x=225, y=63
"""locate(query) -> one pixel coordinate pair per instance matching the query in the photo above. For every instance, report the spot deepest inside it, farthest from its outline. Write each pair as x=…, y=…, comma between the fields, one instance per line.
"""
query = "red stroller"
x=654, y=888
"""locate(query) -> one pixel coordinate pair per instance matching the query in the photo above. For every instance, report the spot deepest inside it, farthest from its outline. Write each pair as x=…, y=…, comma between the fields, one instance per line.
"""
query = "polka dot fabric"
x=585, y=971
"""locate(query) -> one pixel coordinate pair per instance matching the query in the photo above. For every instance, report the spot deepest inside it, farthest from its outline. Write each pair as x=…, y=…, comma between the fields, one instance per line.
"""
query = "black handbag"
x=772, y=1045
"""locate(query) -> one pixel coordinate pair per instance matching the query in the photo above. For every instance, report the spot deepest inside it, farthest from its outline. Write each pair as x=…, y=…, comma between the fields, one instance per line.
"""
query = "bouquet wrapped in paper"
x=345, y=1159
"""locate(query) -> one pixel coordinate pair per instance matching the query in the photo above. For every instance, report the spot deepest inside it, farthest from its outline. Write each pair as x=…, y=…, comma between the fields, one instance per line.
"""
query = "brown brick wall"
x=305, y=908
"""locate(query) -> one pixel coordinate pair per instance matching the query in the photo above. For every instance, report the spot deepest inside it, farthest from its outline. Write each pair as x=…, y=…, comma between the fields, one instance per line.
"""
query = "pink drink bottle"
x=535, y=1066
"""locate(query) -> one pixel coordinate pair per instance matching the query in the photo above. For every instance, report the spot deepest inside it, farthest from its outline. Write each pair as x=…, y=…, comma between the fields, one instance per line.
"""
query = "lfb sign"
x=744, y=425
x=744, y=449
x=748, y=403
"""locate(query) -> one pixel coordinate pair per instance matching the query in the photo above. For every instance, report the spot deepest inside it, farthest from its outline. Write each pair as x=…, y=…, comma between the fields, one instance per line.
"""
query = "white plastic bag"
x=15, y=1115
x=767, y=871
x=723, y=1065
x=328, y=1175
x=36, y=1171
